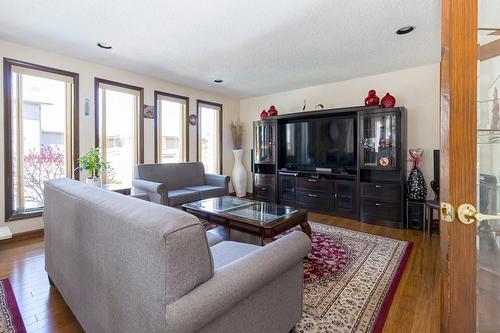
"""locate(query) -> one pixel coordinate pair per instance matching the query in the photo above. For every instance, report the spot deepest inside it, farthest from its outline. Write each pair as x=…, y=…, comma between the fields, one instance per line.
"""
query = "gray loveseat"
x=128, y=265
x=174, y=184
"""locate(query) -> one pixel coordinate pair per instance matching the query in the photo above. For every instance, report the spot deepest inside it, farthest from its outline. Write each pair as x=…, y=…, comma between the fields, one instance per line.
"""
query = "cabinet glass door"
x=379, y=141
x=264, y=143
x=344, y=195
x=287, y=189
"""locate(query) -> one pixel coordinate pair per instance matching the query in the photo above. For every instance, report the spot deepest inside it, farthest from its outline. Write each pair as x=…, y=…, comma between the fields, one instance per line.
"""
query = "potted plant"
x=94, y=164
x=239, y=174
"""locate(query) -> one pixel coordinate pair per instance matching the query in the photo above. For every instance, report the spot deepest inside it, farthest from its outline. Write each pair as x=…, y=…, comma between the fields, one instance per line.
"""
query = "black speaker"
x=436, y=165
x=415, y=215
x=251, y=160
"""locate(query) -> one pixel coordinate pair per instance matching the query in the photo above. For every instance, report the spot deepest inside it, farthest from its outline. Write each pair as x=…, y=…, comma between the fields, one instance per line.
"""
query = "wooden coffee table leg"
x=306, y=228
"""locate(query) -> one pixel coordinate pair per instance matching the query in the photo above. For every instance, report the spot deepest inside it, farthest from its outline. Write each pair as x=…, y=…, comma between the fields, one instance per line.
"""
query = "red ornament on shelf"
x=388, y=101
x=372, y=98
x=272, y=111
x=263, y=115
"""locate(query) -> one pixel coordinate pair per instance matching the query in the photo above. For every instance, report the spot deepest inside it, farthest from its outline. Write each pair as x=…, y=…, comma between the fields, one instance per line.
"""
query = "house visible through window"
x=120, y=123
x=171, y=128
x=39, y=133
x=210, y=136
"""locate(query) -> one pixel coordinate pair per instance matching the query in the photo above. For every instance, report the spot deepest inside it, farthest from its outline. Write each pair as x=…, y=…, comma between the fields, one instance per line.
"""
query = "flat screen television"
x=309, y=144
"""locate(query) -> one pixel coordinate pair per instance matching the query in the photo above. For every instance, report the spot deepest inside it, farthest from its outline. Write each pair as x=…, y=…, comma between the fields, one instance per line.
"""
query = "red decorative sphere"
x=372, y=98
x=272, y=111
x=263, y=115
x=388, y=101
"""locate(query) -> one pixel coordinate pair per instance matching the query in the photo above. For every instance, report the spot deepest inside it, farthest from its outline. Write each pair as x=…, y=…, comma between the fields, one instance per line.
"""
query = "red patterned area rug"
x=10, y=317
x=350, y=279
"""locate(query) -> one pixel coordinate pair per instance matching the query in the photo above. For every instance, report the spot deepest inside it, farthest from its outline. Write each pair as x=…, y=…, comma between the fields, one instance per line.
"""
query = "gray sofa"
x=128, y=265
x=174, y=184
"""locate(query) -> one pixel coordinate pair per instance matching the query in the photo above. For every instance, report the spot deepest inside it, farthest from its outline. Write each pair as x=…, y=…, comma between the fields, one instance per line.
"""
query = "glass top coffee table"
x=248, y=220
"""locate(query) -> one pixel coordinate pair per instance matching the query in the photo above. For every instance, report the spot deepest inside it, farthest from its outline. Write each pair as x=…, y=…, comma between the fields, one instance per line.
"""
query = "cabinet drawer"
x=263, y=179
x=315, y=200
x=381, y=192
x=314, y=184
x=381, y=211
x=264, y=192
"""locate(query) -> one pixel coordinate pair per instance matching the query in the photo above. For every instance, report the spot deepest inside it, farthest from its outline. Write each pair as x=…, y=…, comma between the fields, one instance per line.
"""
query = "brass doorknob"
x=468, y=214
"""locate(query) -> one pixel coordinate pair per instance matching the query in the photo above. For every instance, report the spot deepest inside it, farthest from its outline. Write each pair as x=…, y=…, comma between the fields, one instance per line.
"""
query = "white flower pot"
x=239, y=176
x=94, y=181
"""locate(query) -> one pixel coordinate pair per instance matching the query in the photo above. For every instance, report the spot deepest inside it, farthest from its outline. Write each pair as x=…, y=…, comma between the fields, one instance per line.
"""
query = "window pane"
x=209, y=138
x=14, y=141
x=120, y=151
x=39, y=116
x=171, y=131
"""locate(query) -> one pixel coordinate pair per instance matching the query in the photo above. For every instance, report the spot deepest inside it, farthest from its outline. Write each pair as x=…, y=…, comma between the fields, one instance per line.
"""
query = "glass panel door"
x=488, y=161
x=264, y=142
x=379, y=141
x=209, y=137
x=172, y=139
x=119, y=118
x=41, y=123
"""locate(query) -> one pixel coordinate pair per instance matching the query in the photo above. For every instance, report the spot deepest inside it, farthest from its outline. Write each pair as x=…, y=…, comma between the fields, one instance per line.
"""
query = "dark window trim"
x=10, y=214
x=97, y=81
x=186, y=99
x=198, y=103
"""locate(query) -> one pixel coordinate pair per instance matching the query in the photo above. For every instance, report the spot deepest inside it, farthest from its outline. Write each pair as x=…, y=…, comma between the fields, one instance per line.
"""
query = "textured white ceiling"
x=258, y=47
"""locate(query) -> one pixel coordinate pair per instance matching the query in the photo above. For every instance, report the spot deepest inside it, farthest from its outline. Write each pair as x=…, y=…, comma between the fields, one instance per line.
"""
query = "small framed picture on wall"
x=149, y=111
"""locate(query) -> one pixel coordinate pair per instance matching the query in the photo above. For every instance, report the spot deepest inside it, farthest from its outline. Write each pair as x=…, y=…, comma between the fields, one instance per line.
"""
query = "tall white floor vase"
x=239, y=176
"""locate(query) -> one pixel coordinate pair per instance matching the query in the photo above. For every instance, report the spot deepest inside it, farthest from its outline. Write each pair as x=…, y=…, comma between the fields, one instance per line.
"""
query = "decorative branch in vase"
x=239, y=174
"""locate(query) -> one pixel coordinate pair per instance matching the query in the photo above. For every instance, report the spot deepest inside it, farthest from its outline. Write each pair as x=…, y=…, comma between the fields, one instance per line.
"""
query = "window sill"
x=23, y=215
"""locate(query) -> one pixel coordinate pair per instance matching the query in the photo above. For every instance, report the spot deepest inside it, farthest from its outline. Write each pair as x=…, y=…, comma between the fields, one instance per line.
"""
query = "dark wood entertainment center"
x=372, y=191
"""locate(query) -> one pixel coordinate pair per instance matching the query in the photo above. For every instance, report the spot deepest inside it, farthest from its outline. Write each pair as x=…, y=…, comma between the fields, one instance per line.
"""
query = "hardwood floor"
x=415, y=307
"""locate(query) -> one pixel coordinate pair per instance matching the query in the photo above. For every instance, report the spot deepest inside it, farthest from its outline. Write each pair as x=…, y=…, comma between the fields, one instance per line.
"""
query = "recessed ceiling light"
x=104, y=45
x=218, y=81
x=405, y=30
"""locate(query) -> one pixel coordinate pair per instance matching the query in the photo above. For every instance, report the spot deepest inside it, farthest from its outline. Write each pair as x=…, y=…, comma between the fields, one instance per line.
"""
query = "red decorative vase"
x=372, y=98
x=263, y=115
x=272, y=111
x=388, y=101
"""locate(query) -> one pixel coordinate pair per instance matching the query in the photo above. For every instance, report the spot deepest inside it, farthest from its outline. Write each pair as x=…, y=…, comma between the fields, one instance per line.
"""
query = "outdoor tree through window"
x=40, y=133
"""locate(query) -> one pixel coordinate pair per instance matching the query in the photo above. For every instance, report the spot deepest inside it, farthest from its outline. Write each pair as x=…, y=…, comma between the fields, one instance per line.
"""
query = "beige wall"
x=416, y=88
x=87, y=73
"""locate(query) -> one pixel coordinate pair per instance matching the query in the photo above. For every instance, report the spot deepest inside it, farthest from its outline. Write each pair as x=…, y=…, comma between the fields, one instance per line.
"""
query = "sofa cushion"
x=213, y=238
x=226, y=252
x=181, y=196
x=208, y=191
x=175, y=175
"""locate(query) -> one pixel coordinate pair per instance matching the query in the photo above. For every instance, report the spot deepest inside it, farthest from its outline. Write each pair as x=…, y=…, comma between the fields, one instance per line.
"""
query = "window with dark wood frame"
x=113, y=85
x=214, y=106
x=71, y=142
x=157, y=97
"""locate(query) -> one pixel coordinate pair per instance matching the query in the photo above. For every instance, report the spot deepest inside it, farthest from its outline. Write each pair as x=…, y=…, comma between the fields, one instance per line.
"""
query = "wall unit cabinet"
x=318, y=192
x=372, y=192
x=287, y=184
x=264, y=187
x=264, y=160
x=382, y=169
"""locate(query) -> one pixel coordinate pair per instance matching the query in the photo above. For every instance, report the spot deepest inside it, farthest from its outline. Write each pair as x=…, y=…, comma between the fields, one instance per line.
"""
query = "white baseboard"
x=5, y=233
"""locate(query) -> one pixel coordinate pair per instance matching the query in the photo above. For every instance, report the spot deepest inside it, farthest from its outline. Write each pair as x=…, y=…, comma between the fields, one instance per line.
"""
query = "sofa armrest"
x=236, y=281
x=141, y=196
x=217, y=180
x=149, y=186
